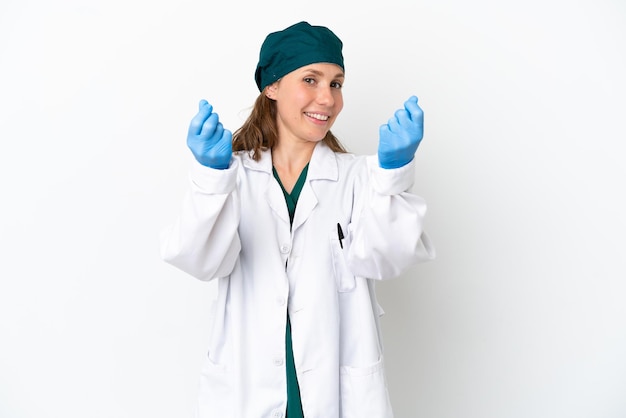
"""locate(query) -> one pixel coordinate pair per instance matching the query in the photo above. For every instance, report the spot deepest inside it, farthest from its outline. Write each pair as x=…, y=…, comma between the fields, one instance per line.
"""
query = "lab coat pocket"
x=214, y=398
x=364, y=392
x=346, y=281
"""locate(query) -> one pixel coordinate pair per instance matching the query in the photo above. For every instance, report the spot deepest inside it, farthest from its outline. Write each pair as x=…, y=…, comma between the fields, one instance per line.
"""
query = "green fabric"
x=294, y=47
x=294, y=403
x=292, y=199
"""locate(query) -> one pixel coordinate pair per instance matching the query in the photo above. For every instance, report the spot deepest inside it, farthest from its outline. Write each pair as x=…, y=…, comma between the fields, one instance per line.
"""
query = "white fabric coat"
x=234, y=227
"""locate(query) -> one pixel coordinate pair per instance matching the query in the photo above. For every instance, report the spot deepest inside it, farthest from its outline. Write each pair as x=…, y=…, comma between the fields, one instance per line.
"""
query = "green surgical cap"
x=294, y=47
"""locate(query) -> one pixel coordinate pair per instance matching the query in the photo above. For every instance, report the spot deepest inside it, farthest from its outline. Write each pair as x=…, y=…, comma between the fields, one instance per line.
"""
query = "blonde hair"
x=260, y=131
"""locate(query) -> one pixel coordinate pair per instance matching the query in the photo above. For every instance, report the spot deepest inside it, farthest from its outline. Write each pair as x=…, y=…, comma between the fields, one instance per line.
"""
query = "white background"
x=522, y=315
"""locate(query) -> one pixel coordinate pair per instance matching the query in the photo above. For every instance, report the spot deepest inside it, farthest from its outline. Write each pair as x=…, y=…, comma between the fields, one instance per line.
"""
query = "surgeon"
x=296, y=231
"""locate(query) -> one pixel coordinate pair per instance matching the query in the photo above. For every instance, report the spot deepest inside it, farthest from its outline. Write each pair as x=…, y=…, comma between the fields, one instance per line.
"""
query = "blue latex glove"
x=210, y=143
x=401, y=135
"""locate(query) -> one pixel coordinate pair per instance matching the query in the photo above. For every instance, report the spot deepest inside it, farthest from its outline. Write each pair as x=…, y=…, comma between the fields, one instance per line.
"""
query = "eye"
x=336, y=85
x=309, y=80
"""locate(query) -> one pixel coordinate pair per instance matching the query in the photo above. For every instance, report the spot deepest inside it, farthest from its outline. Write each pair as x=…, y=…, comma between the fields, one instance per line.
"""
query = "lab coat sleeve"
x=387, y=234
x=203, y=241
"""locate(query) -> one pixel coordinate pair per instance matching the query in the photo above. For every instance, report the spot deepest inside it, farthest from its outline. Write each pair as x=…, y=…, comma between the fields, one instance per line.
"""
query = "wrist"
x=392, y=163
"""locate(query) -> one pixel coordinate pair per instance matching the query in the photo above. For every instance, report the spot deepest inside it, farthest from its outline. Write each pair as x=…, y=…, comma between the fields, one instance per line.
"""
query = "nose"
x=325, y=96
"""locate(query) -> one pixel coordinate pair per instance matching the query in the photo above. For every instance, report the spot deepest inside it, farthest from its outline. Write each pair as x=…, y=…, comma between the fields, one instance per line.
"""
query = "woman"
x=296, y=323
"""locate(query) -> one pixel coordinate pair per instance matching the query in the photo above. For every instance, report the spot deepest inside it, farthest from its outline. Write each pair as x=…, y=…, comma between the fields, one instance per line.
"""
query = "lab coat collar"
x=264, y=164
x=323, y=165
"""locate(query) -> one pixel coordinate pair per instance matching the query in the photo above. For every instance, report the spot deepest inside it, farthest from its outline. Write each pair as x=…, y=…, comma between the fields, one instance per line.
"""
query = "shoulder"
x=349, y=162
x=247, y=163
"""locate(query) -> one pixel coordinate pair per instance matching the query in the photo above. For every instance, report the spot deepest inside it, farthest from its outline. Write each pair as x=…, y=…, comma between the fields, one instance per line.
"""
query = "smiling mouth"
x=317, y=116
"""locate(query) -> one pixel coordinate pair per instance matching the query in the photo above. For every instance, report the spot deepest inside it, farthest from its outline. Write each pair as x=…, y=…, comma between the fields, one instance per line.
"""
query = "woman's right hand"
x=400, y=137
x=207, y=139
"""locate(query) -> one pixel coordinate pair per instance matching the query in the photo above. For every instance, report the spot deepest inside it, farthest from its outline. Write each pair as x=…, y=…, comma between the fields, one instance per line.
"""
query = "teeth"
x=317, y=116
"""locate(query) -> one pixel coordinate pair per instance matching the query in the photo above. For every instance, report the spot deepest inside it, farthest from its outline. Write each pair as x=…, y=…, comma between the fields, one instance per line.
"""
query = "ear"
x=270, y=91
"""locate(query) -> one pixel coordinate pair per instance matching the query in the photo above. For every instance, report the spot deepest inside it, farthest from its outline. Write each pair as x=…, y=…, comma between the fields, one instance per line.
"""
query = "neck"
x=289, y=161
x=291, y=158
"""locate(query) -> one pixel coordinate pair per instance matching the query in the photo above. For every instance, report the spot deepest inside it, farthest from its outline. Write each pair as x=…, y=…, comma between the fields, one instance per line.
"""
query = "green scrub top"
x=294, y=403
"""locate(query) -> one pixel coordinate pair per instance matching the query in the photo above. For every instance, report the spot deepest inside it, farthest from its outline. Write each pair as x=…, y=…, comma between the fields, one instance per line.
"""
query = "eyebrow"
x=338, y=75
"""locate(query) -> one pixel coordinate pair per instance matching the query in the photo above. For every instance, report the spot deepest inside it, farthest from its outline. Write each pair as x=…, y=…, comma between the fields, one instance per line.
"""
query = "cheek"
x=338, y=104
x=297, y=101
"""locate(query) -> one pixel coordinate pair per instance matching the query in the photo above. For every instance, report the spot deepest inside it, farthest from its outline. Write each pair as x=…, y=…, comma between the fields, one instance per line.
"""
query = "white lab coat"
x=234, y=227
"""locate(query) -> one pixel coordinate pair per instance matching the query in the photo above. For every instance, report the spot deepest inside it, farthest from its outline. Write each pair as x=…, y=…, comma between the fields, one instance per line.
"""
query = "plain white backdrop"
x=523, y=313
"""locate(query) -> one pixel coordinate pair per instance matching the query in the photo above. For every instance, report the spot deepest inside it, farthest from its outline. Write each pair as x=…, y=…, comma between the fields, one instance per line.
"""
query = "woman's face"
x=308, y=101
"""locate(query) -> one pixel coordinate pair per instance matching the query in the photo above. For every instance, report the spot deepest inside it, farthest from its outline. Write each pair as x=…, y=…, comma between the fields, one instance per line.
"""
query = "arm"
x=387, y=233
x=387, y=230
x=203, y=241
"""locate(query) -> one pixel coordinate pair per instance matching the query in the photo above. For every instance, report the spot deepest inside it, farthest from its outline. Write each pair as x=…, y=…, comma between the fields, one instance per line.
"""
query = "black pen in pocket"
x=340, y=234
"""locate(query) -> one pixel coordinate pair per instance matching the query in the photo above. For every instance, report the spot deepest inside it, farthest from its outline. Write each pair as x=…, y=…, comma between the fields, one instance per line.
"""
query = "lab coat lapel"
x=323, y=166
x=276, y=200
x=273, y=193
x=306, y=203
